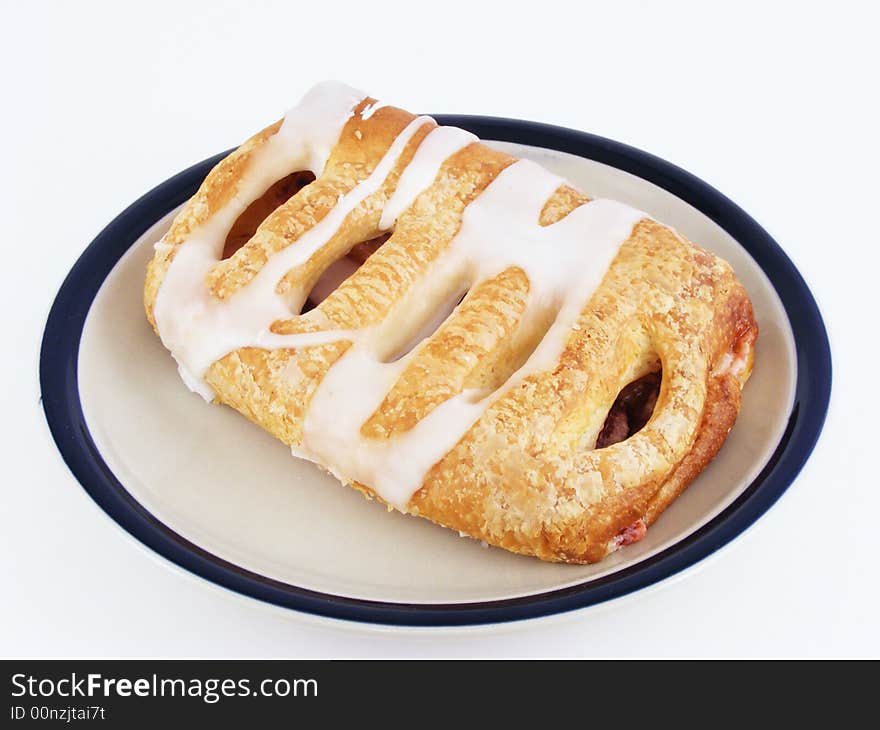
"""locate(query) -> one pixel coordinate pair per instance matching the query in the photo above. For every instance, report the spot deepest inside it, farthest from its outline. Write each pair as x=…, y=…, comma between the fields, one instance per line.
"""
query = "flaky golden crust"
x=526, y=476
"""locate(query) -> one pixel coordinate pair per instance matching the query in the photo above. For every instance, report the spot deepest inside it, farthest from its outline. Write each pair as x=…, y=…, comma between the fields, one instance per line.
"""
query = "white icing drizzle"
x=348, y=395
x=440, y=144
x=372, y=109
x=199, y=328
x=565, y=263
x=192, y=324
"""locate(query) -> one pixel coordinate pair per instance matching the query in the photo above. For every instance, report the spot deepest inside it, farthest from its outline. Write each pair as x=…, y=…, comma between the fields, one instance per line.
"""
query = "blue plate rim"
x=63, y=410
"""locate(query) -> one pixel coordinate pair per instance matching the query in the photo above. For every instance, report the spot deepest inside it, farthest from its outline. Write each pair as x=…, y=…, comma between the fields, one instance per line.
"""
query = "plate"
x=209, y=491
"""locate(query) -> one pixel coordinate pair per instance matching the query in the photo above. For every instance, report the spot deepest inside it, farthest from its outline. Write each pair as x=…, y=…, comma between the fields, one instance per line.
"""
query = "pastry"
x=457, y=333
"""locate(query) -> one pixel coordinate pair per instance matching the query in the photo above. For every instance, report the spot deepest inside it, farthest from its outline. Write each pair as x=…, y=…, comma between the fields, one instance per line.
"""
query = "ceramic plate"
x=209, y=491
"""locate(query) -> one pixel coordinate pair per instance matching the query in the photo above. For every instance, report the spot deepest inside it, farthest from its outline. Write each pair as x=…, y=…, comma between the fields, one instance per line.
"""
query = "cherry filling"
x=631, y=410
x=628, y=535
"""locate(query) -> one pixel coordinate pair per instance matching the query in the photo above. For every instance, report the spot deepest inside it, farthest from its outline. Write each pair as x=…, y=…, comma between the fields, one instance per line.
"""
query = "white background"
x=775, y=107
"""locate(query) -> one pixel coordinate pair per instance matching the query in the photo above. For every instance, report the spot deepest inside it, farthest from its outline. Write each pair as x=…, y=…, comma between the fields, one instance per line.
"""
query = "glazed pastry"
x=457, y=333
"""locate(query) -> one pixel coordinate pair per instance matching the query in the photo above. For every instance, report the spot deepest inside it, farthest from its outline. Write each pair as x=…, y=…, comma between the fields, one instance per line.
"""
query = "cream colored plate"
x=230, y=488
